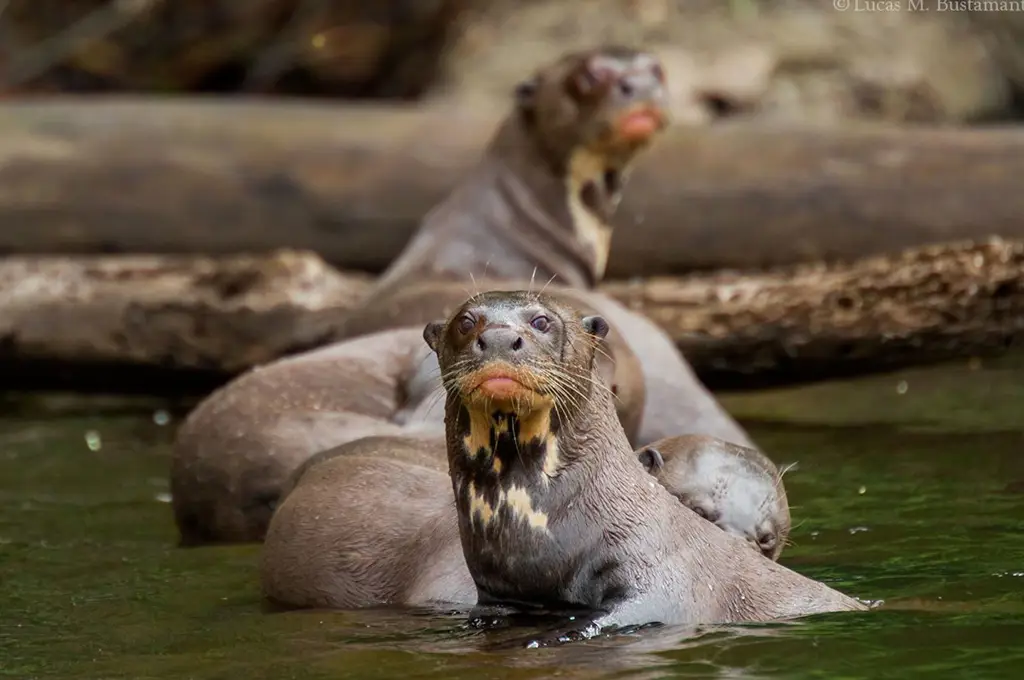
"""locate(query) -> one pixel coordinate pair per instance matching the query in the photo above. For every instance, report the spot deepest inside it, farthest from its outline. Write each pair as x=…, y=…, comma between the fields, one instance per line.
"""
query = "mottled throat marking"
x=505, y=456
x=589, y=208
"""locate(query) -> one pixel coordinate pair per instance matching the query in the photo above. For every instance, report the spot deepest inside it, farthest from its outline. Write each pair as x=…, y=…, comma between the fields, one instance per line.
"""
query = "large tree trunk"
x=351, y=182
x=206, y=319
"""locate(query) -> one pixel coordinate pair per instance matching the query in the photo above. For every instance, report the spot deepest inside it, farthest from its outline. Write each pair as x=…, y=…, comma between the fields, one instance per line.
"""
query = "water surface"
x=909, y=489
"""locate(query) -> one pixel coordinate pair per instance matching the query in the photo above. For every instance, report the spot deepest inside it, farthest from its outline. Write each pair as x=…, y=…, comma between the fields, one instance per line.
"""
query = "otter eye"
x=466, y=323
x=541, y=323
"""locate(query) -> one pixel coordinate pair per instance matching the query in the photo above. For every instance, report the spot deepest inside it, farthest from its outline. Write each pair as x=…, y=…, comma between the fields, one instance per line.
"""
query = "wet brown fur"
x=597, y=533
x=234, y=451
x=367, y=524
x=374, y=521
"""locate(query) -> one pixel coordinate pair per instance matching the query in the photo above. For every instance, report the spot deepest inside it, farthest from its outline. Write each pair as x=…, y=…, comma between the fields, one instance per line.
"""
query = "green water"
x=910, y=489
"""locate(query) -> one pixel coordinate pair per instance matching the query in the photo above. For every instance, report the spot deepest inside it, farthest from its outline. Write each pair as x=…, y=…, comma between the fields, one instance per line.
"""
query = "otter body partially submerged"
x=555, y=510
x=373, y=522
x=551, y=507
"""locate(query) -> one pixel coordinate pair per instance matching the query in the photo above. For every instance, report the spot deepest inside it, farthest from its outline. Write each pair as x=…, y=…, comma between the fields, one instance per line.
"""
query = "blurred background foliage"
x=798, y=60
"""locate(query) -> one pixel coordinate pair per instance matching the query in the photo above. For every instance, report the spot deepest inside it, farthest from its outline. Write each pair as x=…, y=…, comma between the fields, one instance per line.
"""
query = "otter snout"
x=498, y=342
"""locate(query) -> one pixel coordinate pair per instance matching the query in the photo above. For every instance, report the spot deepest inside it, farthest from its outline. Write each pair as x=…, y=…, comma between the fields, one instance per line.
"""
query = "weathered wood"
x=220, y=316
x=819, y=321
x=351, y=182
x=197, y=315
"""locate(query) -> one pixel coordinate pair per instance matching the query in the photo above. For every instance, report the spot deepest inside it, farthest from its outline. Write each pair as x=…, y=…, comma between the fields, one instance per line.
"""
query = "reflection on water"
x=915, y=499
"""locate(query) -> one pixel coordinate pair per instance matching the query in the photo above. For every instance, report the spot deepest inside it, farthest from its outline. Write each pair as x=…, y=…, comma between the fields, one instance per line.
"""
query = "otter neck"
x=523, y=213
x=520, y=485
x=504, y=456
x=565, y=198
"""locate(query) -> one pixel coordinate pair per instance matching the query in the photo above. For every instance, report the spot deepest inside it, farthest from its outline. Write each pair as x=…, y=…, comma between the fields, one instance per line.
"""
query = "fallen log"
x=210, y=318
x=159, y=323
x=820, y=321
x=350, y=182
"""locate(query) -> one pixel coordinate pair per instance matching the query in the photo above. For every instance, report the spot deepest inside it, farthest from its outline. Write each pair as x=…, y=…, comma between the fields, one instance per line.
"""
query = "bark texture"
x=820, y=321
x=220, y=316
x=87, y=319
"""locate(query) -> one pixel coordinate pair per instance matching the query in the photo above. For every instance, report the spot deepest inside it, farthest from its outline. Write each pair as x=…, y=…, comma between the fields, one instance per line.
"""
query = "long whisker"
x=569, y=393
x=563, y=396
x=602, y=349
x=782, y=473
x=547, y=284
x=567, y=385
x=579, y=375
x=435, y=396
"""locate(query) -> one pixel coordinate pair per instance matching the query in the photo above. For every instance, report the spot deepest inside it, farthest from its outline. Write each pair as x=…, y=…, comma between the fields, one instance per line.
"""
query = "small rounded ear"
x=596, y=326
x=432, y=334
x=525, y=93
x=651, y=459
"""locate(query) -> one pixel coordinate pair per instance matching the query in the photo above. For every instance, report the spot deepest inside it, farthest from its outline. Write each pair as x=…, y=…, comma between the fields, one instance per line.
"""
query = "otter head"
x=590, y=114
x=735, y=487
x=610, y=101
x=517, y=359
x=518, y=371
x=525, y=419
